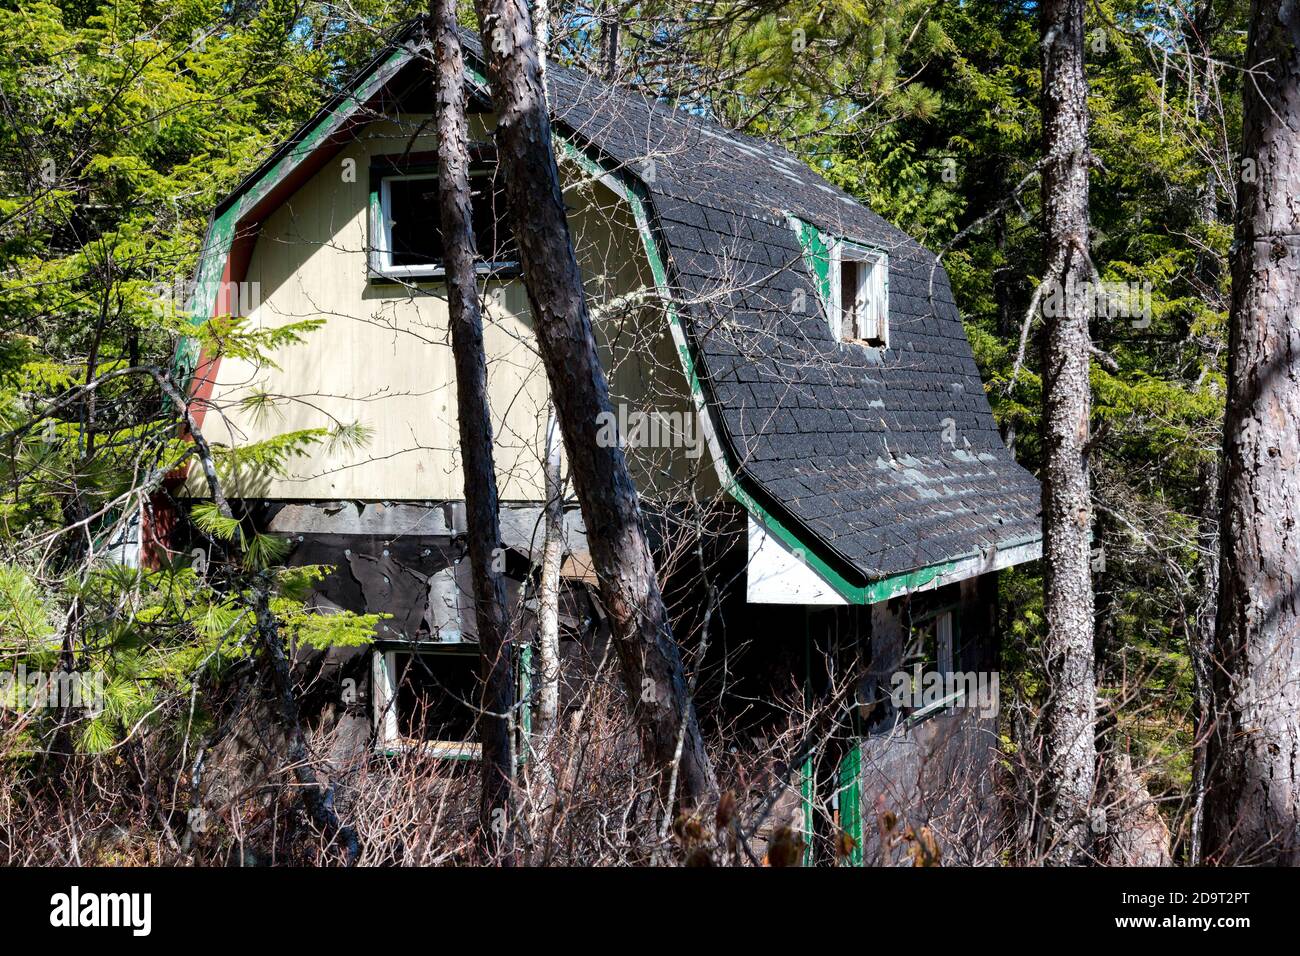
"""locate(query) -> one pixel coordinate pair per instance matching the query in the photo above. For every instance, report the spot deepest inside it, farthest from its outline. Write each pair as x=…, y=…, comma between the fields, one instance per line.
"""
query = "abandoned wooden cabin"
x=791, y=381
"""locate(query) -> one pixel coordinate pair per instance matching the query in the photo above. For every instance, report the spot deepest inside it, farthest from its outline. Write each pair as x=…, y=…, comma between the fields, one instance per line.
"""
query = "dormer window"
x=407, y=223
x=860, y=311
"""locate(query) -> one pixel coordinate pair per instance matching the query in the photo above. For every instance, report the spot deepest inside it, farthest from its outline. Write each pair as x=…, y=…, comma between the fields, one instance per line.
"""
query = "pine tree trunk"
x=482, y=521
x=1070, y=753
x=649, y=659
x=609, y=24
x=1252, y=812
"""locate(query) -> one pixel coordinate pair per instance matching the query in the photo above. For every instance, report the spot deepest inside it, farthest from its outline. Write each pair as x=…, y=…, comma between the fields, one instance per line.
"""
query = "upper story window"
x=407, y=223
x=860, y=292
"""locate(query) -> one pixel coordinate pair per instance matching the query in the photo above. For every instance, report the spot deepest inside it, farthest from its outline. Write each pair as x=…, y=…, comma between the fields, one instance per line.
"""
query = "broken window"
x=428, y=698
x=929, y=652
x=409, y=231
x=862, y=294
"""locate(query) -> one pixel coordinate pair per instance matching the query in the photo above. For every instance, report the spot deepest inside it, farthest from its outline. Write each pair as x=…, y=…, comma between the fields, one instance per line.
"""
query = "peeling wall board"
x=372, y=574
x=422, y=581
x=385, y=518
x=521, y=525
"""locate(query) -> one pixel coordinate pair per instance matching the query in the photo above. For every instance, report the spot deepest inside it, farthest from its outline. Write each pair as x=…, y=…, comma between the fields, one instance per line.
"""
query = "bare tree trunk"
x=1201, y=649
x=649, y=659
x=1252, y=812
x=548, y=596
x=609, y=17
x=482, y=520
x=548, y=586
x=1070, y=753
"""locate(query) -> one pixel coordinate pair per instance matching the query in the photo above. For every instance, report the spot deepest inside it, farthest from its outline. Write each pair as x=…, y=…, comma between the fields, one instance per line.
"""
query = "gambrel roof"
x=885, y=463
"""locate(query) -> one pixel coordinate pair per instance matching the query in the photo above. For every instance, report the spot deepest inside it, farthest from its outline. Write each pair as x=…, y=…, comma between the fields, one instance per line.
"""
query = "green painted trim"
x=807, y=770
x=207, y=284
x=851, y=801
x=851, y=592
x=525, y=695
x=816, y=254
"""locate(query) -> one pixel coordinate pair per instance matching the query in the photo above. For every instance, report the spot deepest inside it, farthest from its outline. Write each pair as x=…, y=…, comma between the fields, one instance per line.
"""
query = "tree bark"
x=649, y=659
x=609, y=24
x=1070, y=753
x=483, y=533
x=548, y=585
x=1252, y=812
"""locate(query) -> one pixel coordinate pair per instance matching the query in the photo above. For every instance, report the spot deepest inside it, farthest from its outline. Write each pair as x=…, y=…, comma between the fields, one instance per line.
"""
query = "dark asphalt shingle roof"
x=847, y=440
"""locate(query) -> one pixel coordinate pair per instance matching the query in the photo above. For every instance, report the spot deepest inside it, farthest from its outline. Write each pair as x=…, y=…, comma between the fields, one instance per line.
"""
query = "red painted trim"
x=235, y=272
x=158, y=522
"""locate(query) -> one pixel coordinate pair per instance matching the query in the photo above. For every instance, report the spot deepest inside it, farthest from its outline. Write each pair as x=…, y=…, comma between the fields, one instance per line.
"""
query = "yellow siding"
x=383, y=357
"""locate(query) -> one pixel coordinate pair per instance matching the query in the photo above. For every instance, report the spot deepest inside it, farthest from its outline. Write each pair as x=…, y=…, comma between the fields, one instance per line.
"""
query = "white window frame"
x=945, y=662
x=383, y=695
x=873, y=291
x=381, y=249
x=943, y=643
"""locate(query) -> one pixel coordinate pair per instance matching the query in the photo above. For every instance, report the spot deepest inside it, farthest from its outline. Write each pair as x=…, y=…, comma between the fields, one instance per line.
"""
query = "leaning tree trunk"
x=649, y=659
x=1252, y=812
x=1070, y=753
x=482, y=521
